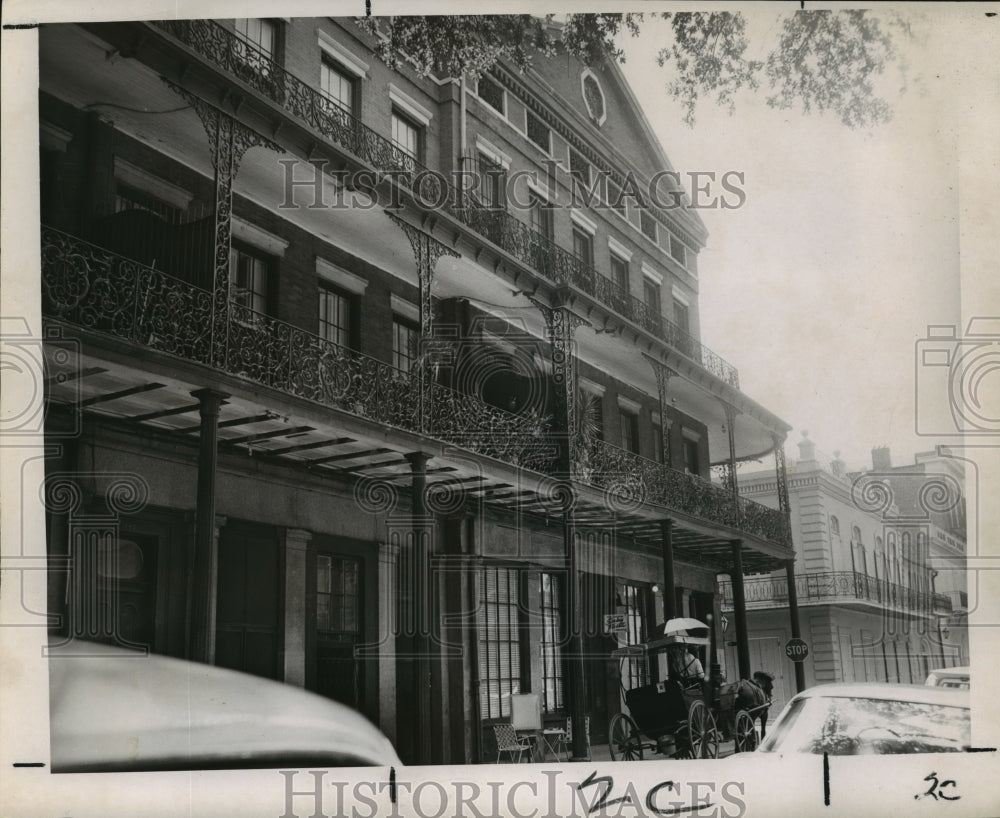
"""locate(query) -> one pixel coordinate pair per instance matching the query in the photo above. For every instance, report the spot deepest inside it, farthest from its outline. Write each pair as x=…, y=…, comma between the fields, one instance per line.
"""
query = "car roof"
x=115, y=709
x=889, y=691
x=952, y=671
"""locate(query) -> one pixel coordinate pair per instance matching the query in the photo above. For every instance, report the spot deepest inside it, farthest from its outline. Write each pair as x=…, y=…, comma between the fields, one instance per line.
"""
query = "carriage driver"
x=685, y=666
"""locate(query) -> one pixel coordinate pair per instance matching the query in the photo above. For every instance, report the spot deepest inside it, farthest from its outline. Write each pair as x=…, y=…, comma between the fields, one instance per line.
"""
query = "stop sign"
x=796, y=649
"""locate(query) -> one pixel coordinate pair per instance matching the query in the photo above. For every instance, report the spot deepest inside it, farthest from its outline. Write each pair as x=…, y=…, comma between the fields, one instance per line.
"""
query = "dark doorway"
x=600, y=672
x=247, y=614
x=338, y=628
x=114, y=588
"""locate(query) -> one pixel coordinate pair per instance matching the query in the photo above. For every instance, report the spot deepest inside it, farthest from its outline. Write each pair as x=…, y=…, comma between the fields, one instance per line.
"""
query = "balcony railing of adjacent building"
x=234, y=55
x=633, y=478
x=832, y=587
x=89, y=287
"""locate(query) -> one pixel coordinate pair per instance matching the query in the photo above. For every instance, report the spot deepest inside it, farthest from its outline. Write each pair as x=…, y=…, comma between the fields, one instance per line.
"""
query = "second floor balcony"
x=835, y=588
x=90, y=288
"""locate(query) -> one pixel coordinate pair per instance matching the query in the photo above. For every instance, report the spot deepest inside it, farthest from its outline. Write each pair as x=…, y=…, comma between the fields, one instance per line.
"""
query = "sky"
x=820, y=287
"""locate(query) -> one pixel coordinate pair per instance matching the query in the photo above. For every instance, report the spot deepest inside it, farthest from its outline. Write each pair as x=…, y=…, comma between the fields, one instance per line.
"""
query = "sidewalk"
x=601, y=752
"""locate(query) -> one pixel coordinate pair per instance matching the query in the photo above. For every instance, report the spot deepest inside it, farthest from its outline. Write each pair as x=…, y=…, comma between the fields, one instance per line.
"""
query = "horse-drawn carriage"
x=678, y=717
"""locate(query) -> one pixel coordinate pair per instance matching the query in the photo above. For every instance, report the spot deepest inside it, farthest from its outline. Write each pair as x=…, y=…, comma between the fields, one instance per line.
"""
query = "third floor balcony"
x=370, y=149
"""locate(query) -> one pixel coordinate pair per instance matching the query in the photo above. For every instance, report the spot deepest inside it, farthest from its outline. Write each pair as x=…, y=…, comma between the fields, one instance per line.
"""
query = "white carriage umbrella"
x=683, y=626
x=682, y=630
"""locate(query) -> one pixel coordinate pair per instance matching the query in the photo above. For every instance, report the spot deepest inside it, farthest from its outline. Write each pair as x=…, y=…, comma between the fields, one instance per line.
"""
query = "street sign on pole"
x=796, y=649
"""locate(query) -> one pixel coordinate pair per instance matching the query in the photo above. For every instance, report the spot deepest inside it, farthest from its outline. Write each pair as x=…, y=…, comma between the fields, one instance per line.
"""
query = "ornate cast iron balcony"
x=633, y=479
x=241, y=59
x=98, y=290
x=831, y=586
x=92, y=288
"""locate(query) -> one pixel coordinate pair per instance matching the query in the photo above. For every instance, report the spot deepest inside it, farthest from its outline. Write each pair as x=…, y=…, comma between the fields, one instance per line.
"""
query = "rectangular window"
x=678, y=251
x=619, y=273
x=552, y=661
x=540, y=215
x=539, y=133
x=249, y=279
x=499, y=641
x=651, y=295
x=583, y=247
x=406, y=136
x=128, y=198
x=261, y=37
x=337, y=85
x=579, y=167
x=492, y=184
x=491, y=92
x=682, y=317
x=630, y=430
x=616, y=201
x=592, y=416
x=647, y=224
x=692, y=461
x=634, y=601
x=405, y=342
x=335, y=316
x=337, y=595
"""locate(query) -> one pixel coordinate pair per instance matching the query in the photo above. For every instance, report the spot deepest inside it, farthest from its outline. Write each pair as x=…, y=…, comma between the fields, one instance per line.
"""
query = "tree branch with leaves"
x=821, y=60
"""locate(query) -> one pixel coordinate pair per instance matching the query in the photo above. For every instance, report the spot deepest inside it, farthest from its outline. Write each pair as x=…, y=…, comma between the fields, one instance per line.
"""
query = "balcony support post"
x=205, y=558
x=667, y=544
x=561, y=324
x=782, y=475
x=427, y=250
x=740, y=610
x=734, y=488
x=663, y=376
x=229, y=140
x=414, y=640
x=793, y=615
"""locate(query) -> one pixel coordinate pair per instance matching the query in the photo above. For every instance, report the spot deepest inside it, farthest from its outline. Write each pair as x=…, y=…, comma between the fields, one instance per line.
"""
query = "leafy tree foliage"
x=822, y=60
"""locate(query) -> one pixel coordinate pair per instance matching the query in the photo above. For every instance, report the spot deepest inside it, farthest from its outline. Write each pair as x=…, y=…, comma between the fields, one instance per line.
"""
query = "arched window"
x=835, y=526
x=855, y=534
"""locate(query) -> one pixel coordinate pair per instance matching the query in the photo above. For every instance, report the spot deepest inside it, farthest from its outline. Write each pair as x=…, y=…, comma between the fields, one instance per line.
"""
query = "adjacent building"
x=879, y=575
x=344, y=392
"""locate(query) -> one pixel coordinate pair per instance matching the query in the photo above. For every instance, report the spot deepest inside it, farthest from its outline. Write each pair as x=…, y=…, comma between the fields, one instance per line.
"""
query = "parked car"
x=949, y=677
x=113, y=710
x=869, y=719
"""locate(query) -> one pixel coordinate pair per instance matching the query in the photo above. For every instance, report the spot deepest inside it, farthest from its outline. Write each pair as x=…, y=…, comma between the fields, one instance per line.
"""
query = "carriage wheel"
x=624, y=741
x=701, y=731
x=745, y=738
x=710, y=746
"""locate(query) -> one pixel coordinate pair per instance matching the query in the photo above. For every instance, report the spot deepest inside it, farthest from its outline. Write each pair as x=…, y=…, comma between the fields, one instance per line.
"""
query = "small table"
x=544, y=742
x=554, y=738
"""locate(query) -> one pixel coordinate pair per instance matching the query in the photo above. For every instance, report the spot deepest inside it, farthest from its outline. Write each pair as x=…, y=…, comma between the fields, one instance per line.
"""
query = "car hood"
x=114, y=710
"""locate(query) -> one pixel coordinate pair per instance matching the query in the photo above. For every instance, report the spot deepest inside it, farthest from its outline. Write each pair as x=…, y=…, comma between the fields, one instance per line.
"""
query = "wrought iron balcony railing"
x=831, y=586
x=631, y=479
x=98, y=290
x=241, y=59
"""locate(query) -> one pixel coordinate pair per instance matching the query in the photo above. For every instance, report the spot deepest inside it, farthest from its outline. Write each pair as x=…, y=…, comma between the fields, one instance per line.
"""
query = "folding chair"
x=509, y=742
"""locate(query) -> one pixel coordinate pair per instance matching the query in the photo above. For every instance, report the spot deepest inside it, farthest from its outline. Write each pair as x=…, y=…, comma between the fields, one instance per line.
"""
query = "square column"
x=296, y=594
